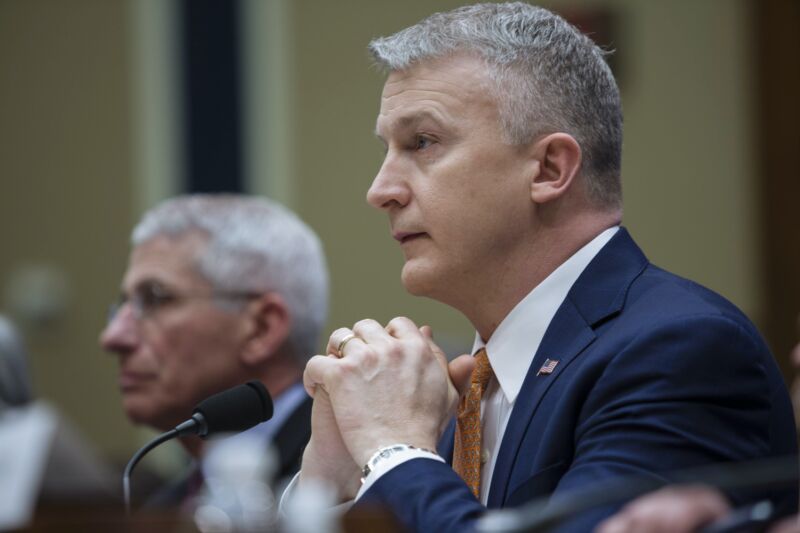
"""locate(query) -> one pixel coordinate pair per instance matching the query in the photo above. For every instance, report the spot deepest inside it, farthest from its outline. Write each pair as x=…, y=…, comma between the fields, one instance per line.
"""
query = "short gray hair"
x=15, y=382
x=546, y=77
x=254, y=244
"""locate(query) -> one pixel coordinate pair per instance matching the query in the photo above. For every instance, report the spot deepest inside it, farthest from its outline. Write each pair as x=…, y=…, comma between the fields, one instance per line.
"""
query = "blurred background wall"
x=95, y=128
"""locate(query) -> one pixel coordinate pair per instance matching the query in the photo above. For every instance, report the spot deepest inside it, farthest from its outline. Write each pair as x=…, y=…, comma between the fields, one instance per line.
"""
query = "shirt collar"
x=514, y=343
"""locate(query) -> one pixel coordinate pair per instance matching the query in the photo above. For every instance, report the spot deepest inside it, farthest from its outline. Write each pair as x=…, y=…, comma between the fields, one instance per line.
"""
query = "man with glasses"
x=219, y=290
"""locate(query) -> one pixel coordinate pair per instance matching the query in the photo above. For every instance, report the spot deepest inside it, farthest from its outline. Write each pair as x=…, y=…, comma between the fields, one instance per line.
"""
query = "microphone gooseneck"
x=126, y=475
x=230, y=411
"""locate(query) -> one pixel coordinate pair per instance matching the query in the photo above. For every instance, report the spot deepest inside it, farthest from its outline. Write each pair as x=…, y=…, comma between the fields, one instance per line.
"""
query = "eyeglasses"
x=149, y=298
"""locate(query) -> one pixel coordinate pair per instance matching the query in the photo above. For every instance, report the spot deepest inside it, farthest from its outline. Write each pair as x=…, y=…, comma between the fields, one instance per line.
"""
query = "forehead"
x=167, y=259
x=448, y=86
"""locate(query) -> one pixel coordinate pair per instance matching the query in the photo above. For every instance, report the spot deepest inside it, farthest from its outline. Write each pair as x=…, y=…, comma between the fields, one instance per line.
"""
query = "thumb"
x=438, y=352
x=460, y=370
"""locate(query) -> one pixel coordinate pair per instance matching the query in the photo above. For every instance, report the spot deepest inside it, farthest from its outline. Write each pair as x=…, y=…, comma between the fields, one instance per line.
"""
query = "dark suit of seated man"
x=503, y=133
x=686, y=508
x=219, y=290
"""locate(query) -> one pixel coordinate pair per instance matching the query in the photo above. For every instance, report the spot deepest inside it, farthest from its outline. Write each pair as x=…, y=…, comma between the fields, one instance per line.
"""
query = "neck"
x=282, y=372
x=513, y=278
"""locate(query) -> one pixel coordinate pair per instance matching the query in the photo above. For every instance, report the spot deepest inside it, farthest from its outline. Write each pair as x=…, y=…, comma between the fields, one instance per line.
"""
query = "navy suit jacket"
x=655, y=374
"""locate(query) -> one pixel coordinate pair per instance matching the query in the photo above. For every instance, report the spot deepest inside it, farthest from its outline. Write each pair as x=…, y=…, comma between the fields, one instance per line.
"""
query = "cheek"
x=166, y=346
x=201, y=351
x=176, y=355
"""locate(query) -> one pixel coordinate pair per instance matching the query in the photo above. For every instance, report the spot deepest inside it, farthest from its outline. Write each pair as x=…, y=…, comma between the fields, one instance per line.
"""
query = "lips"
x=129, y=380
x=404, y=237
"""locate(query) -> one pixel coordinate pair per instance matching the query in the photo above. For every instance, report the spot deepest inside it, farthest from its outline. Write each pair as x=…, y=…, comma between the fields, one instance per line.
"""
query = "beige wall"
x=689, y=172
x=66, y=160
x=64, y=188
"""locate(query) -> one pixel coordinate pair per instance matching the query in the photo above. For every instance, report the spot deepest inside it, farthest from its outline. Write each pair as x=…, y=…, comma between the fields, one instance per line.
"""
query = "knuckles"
x=363, y=324
x=415, y=348
x=370, y=357
x=336, y=337
x=399, y=321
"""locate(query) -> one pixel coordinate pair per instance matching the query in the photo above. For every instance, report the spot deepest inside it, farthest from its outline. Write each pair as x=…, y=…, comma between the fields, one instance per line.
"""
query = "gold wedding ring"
x=344, y=342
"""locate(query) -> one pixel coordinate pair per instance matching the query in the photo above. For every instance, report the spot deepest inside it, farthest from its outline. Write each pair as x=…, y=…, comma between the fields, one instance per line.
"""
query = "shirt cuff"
x=287, y=504
x=387, y=464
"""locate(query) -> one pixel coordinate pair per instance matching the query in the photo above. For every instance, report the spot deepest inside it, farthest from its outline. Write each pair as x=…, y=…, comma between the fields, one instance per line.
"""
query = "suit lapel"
x=597, y=295
x=565, y=338
x=292, y=437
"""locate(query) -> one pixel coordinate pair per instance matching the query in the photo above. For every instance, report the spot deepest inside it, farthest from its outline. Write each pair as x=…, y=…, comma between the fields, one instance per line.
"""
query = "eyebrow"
x=410, y=119
x=148, y=281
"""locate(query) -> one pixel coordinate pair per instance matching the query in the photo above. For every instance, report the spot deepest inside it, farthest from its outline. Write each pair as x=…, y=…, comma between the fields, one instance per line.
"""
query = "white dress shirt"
x=511, y=349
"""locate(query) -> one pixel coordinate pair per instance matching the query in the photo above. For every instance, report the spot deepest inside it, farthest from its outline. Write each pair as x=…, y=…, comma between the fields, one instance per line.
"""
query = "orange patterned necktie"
x=467, y=446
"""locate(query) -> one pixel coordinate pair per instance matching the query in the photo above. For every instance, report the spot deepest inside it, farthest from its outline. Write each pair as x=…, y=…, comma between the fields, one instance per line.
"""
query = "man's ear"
x=558, y=158
x=269, y=325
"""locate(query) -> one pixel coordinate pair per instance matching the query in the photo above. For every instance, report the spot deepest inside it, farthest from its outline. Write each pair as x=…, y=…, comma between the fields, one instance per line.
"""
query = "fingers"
x=427, y=334
x=364, y=331
x=460, y=370
x=318, y=370
x=372, y=332
x=368, y=340
x=390, y=385
x=341, y=339
x=403, y=328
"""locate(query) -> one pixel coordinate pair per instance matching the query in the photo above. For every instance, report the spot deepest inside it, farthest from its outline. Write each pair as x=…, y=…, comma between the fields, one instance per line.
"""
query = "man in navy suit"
x=503, y=132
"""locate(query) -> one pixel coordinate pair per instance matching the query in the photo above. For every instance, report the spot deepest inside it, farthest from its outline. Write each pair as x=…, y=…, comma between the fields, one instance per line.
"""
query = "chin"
x=144, y=415
x=420, y=281
x=138, y=417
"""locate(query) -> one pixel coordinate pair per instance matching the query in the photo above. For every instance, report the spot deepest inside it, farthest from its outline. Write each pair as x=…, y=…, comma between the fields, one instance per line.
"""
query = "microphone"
x=230, y=411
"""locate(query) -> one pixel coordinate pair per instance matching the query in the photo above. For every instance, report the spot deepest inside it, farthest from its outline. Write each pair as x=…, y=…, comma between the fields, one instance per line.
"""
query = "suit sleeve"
x=424, y=495
x=689, y=392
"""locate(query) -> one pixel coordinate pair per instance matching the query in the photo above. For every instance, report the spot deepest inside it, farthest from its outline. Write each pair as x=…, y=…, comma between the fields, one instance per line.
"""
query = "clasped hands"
x=391, y=385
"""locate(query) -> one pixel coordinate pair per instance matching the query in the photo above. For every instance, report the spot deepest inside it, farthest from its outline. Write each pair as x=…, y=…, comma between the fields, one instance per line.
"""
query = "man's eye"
x=154, y=296
x=422, y=142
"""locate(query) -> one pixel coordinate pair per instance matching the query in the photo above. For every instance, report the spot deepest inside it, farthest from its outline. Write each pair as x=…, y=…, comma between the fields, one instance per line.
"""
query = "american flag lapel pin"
x=548, y=367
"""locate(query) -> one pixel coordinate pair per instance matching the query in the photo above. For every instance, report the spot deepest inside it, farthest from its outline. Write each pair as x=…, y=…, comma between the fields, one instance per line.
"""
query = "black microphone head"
x=236, y=409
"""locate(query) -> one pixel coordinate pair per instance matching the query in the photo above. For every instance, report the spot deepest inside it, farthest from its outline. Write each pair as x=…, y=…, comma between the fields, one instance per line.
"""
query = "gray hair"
x=546, y=76
x=254, y=244
x=15, y=384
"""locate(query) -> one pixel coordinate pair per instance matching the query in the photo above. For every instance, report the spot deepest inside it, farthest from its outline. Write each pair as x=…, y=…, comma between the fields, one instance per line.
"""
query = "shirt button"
x=484, y=456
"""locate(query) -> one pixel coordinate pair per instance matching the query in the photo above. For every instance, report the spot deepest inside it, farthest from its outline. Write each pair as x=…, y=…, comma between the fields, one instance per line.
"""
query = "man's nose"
x=121, y=334
x=389, y=188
